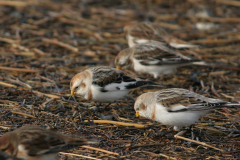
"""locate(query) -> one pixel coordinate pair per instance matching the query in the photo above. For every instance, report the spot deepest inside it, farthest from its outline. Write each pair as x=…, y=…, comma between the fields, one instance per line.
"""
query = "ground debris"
x=43, y=44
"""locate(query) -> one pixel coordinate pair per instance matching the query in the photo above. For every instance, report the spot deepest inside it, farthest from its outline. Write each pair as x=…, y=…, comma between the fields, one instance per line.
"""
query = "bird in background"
x=4, y=156
x=153, y=58
x=143, y=32
x=105, y=84
x=176, y=106
x=37, y=143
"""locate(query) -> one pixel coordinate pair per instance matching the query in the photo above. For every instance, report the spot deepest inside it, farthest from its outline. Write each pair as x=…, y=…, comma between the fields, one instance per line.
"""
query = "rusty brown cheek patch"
x=143, y=106
x=130, y=62
x=83, y=85
x=90, y=95
x=10, y=149
x=154, y=113
x=5, y=144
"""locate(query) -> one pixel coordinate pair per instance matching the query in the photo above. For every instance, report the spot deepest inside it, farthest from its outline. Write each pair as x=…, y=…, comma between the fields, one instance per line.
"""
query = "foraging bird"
x=176, y=106
x=4, y=156
x=143, y=32
x=34, y=142
x=153, y=58
x=104, y=84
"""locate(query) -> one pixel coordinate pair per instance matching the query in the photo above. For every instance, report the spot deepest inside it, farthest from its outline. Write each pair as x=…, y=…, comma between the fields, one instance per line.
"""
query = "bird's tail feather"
x=86, y=141
x=211, y=106
x=142, y=83
x=179, y=46
x=233, y=104
x=92, y=141
x=201, y=63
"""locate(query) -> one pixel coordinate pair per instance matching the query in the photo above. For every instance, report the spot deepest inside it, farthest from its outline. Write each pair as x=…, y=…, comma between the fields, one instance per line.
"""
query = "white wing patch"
x=152, y=62
x=178, y=107
x=140, y=41
x=160, y=109
x=117, y=86
x=22, y=152
x=178, y=46
x=130, y=41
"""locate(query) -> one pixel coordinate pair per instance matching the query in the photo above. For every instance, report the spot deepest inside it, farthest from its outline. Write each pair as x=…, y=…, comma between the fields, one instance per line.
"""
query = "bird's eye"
x=76, y=87
x=137, y=109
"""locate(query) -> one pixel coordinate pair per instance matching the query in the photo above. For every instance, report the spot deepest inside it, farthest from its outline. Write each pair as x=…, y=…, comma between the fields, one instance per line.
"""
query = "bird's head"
x=124, y=58
x=80, y=84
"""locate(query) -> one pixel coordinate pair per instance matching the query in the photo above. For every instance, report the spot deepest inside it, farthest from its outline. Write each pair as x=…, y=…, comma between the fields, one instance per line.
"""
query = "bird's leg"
x=78, y=103
x=118, y=103
x=97, y=107
x=155, y=76
x=106, y=107
x=98, y=104
x=192, y=134
x=129, y=97
x=177, y=128
x=181, y=133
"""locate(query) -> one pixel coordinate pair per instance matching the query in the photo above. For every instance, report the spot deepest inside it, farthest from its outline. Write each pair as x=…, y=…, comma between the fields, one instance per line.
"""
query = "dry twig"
x=201, y=143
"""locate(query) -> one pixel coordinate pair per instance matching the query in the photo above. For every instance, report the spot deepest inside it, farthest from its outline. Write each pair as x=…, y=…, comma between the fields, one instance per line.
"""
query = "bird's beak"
x=118, y=67
x=137, y=114
x=73, y=93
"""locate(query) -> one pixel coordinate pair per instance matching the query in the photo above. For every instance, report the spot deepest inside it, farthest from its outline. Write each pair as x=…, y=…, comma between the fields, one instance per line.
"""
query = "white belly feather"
x=112, y=93
x=153, y=69
x=179, y=119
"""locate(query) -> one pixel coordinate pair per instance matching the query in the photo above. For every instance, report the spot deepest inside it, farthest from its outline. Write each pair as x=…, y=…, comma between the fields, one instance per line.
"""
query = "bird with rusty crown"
x=37, y=143
x=105, y=84
x=153, y=58
x=176, y=106
x=144, y=32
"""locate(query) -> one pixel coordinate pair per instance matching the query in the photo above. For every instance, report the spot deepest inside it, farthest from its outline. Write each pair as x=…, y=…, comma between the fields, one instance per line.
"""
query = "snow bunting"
x=143, y=32
x=33, y=142
x=153, y=58
x=176, y=106
x=4, y=156
x=104, y=84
